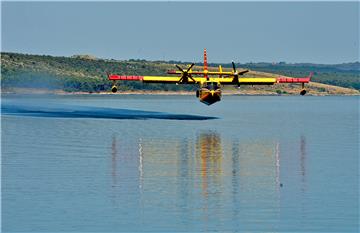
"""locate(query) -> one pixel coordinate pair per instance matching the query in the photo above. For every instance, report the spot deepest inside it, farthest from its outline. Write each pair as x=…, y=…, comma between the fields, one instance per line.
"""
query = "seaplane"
x=209, y=82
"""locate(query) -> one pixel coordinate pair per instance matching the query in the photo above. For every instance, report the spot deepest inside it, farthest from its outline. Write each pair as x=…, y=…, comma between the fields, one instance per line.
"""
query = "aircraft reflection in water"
x=209, y=152
x=219, y=172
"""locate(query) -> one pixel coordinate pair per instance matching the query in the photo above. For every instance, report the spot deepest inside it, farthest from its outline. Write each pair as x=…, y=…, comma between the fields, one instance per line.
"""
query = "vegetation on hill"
x=87, y=73
x=77, y=73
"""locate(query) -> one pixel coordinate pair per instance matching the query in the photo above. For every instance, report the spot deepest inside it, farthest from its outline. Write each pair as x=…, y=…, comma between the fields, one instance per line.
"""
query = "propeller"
x=237, y=73
x=185, y=74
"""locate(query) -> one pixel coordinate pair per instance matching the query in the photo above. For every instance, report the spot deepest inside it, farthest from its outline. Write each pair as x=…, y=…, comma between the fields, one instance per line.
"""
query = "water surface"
x=265, y=164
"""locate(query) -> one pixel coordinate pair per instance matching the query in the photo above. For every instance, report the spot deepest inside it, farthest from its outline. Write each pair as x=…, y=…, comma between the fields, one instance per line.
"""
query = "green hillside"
x=87, y=73
x=77, y=73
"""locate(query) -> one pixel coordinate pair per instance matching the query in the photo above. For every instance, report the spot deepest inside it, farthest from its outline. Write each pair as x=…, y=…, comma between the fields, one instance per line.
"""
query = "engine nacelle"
x=114, y=89
x=303, y=92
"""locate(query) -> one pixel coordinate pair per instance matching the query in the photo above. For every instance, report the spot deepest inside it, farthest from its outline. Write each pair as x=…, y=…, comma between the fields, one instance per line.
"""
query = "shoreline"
x=313, y=89
x=243, y=92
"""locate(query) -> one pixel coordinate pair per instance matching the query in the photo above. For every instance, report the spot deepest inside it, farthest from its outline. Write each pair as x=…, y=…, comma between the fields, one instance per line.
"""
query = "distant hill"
x=87, y=73
x=85, y=56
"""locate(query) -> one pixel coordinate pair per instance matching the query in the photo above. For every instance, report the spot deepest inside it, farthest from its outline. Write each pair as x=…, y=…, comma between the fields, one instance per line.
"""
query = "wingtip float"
x=209, y=82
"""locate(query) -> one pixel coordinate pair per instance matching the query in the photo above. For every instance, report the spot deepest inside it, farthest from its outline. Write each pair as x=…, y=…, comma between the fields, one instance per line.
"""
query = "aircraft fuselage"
x=209, y=93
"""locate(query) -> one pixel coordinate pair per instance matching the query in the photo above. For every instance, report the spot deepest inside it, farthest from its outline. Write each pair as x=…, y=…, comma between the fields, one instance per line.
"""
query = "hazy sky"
x=320, y=32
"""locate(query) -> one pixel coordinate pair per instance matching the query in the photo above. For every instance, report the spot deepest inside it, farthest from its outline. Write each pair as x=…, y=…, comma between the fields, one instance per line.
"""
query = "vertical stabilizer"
x=205, y=65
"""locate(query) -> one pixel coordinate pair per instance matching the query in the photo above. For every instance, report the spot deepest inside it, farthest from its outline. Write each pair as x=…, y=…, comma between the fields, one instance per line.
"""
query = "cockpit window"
x=212, y=85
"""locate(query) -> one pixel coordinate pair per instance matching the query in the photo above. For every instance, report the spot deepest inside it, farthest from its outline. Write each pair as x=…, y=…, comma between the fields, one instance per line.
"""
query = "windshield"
x=212, y=85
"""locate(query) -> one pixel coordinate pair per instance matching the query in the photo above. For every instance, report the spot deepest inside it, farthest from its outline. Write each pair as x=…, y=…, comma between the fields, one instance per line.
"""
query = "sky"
x=293, y=32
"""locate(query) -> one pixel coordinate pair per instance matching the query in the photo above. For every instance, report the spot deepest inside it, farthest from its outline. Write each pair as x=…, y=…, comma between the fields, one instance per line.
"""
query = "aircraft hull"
x=209, y=97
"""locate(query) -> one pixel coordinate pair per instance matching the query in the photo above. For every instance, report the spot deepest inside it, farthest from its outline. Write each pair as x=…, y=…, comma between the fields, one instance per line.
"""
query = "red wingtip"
x=284, y=79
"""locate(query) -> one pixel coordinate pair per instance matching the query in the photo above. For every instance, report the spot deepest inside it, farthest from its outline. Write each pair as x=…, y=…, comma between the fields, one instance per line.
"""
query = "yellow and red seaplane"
x=209, y=82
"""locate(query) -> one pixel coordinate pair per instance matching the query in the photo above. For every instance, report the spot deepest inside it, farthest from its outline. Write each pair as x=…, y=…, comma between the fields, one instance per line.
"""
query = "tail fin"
x=205, y=64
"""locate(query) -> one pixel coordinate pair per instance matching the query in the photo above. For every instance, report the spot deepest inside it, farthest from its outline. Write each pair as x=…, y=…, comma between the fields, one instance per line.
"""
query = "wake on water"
x=94, y=112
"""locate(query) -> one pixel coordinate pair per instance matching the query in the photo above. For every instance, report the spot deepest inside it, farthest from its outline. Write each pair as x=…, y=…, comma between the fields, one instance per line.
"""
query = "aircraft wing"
x=248, y=81
x=151, y=79
x=265, y=81
x=284, y=79
x=224, y=80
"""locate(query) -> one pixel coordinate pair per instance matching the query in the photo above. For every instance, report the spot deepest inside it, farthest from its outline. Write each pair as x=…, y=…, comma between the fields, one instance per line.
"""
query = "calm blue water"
x=104, y=163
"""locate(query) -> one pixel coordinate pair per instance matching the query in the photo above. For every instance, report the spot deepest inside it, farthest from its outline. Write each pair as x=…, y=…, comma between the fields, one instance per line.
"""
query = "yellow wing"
x=152, y=79
x=222, y=80
x=172, y=79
